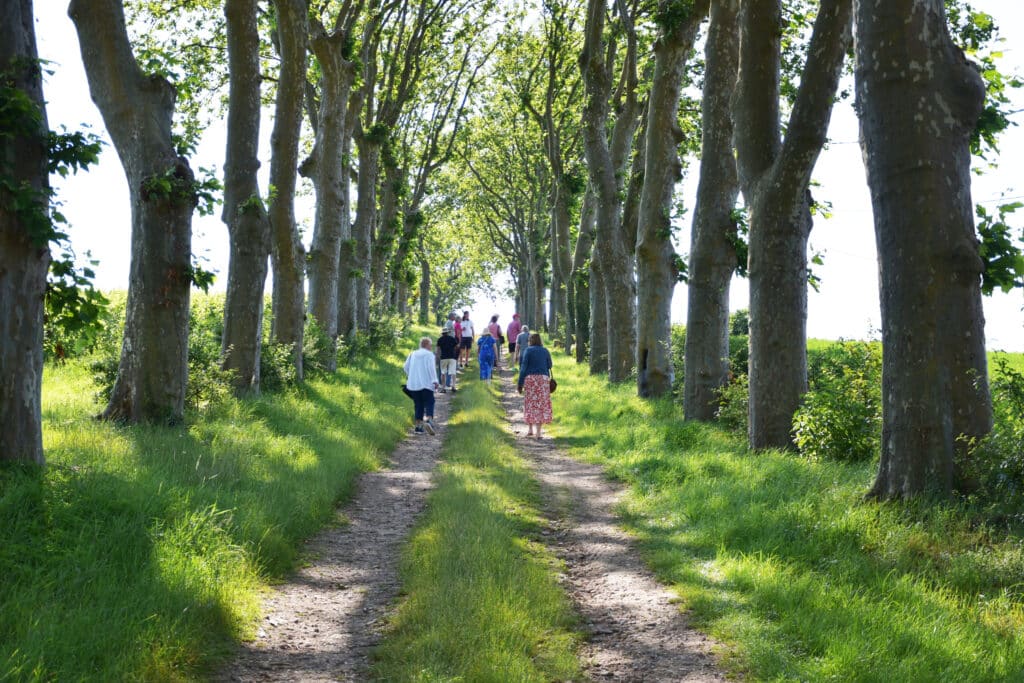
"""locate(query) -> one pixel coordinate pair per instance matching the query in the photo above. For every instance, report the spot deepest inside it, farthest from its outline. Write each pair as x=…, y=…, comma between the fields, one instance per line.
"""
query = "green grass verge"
x=782, y=560
x=481, y=599
x=140, y=553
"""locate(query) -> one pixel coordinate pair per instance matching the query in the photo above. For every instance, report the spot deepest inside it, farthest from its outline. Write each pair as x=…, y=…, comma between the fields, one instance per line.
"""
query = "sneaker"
x=418, y=430
x=429, y=425
x=454, y=390
x=441, y=390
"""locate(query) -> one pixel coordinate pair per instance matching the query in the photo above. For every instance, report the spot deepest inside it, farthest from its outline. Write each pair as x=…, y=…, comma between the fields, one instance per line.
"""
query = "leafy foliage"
x=1004, y=263
x=841, y=416
x=994, y=467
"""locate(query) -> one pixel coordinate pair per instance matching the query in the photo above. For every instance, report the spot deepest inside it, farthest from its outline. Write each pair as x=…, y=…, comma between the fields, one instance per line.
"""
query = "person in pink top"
x=495, y=329
x=513, y=330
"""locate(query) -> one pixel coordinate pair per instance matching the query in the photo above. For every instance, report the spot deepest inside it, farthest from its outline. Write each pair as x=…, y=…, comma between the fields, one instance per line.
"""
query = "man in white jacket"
x=420, y=383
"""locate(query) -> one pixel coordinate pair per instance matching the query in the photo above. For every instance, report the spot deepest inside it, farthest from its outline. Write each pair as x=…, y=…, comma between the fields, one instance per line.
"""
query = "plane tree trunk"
x=244, y=213
x=713, y=233
x=656, y=258
x=24, y=249
x=919, y=100
x=137, y=110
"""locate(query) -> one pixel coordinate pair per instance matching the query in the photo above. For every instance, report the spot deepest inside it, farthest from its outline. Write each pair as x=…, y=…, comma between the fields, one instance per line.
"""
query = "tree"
x=774, y=176
x=657, y=270
x=137, y=110
x=327, y=167
x=612, y=260
x=713, y=233
x=919, y=100
x=287, y=252
x=244, y=213
x=25, y=232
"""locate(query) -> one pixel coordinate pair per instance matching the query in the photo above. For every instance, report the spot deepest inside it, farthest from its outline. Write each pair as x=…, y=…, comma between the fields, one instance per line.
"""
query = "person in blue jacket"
x=485, y=354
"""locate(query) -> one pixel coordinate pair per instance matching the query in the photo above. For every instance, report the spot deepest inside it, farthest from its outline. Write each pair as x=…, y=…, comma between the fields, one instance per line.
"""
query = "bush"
x=384, y=333
x=841, y=417
x=734, y=403
x=995, y=465
x=738, y=355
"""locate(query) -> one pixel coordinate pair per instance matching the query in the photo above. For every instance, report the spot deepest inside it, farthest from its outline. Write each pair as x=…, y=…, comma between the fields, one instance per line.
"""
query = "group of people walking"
x=429, y=371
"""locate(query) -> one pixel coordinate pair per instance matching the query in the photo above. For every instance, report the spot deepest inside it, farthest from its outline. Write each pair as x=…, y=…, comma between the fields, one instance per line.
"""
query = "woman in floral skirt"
x=535, y=385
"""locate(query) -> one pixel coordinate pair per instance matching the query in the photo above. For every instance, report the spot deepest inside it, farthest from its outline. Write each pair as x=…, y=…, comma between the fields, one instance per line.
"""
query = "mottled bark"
x=287, y=252
x=918, y=100
x=366, y=218
x=137, y=110
x=244, y=213
x=326, y=168
x=774, y=176
x=579, y=313
x=606, y=156
x=24, y=255
x=712, y=236
x=656, y=265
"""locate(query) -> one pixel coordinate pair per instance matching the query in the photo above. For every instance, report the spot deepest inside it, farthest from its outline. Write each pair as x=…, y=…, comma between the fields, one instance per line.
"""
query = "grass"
x=141, y=553
x=481, y=599
x=782, y=560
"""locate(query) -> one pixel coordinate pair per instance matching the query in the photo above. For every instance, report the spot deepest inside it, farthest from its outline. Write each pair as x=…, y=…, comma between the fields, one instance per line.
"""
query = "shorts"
x=511, y=347
x=467, y=343
x=449, y=366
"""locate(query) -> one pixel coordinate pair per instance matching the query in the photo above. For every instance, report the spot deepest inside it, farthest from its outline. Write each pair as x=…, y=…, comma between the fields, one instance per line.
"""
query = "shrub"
x=319, y=351
x=733, y=404
x=995, y=465
x=841, y=417
x=277, y=367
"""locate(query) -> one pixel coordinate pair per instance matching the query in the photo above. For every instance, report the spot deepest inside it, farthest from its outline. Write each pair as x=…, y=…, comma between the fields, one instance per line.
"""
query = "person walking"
x=535, y=385
x=466, y=341
x=448, y=358
x=420, y=383
x=522, y=340
x=485, y=354
x=496, y=335
x=513, y=330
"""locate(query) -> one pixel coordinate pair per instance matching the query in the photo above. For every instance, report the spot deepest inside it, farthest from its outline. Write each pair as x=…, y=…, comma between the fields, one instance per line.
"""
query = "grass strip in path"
x=141, y=553
x=781, y=559
x=482, y=602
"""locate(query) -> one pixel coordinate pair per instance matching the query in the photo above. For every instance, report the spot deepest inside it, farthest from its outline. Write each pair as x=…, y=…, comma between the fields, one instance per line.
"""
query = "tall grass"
x=140, y=553
x=481, y=601
x=782, y=559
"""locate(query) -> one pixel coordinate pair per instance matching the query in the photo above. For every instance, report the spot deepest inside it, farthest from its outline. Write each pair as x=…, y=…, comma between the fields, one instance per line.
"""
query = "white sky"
x=96, y=203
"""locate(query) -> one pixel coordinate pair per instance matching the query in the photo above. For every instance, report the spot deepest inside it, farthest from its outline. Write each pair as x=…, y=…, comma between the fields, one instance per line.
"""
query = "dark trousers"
x=424, y=401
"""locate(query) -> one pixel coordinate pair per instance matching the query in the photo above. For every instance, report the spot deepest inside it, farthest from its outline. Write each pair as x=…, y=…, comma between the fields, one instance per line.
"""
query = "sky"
x=846, y=306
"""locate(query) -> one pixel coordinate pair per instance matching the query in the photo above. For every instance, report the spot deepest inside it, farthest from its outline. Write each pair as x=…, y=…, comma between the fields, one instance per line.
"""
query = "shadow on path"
x=323, y=623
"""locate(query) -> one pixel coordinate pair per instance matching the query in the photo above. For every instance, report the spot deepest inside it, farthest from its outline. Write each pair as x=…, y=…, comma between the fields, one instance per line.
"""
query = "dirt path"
x=323, y=623
x=636, y=632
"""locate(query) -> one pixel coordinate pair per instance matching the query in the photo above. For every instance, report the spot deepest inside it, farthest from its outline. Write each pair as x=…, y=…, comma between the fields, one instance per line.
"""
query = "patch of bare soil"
x=635, y=631
x=323, y=623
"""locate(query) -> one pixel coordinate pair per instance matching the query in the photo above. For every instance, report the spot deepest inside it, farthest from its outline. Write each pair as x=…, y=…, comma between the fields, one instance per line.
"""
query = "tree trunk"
x=137, y=110
x=656, y=266
x=347, y=290
x=389, y=228
x=613, y=257
x=244, y=212
x=580, y=278
x=598, y=318
x=775, y=176
x=24, y=254
x=712, y=250
x=919, y=100
x=326, y=167
x=424, y=317
x=366, y=217
x=287, y=253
